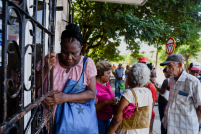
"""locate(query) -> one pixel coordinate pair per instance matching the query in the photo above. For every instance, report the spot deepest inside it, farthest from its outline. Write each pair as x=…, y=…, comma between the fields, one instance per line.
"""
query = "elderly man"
x=184, y=99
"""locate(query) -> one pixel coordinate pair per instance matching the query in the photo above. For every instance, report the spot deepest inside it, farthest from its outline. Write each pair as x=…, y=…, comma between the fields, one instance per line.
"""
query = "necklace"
x=67, y=69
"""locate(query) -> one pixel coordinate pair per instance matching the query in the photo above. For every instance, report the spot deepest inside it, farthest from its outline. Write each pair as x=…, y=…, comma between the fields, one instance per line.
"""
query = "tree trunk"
x=186, y=59
x=85, y=50
x=156, y=60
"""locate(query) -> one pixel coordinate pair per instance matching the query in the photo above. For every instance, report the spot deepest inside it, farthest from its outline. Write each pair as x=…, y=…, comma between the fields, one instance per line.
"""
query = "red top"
x=154, y=95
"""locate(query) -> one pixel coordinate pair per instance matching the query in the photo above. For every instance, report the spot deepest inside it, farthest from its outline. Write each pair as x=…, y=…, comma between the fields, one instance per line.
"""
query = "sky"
x=145, y=47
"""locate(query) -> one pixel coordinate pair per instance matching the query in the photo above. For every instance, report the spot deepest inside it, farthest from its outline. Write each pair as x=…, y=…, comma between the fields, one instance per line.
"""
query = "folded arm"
x=82, y=97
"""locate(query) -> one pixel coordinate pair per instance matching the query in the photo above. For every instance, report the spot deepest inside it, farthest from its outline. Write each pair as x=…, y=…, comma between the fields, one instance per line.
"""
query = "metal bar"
x=18, y=117
x=21, y=114
x=43, y=43
x=70, y=16
x=42, y=124
x=4, y=62
x=30, y=120
x=31, y=18
x=73, y=14
x=33, y=65
x=22, y=47
x=49, y=41
x=34, y=58
x=53, y=22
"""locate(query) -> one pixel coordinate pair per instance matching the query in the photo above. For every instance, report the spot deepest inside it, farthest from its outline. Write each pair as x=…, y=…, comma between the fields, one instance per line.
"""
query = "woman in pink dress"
x=68, y=64
x=105, y=96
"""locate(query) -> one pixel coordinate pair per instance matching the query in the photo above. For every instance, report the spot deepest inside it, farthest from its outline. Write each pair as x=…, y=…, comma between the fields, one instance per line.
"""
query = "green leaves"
x=153, y=23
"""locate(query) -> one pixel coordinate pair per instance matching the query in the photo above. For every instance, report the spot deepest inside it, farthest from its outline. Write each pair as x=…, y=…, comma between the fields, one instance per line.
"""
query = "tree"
x=188, y=52
x=104, y=52
x=100, y=22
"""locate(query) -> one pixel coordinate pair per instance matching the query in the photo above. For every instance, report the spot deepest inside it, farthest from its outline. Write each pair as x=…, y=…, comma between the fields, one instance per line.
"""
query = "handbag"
x=76, y=118
x=139, y=119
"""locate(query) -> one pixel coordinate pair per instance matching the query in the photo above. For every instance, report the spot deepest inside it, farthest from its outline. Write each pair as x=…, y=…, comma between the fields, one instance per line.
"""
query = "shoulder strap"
x=134, y=94
x=84, y=66
x=84, y=63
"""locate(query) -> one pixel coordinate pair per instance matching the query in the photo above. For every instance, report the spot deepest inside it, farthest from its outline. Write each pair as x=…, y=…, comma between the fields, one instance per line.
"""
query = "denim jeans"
x=117, y=89
x=161, y=107
x=103, y=126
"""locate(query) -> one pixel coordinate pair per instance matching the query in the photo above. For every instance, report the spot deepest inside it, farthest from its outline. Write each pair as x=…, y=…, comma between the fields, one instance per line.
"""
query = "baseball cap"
x=143, y=59
x=120, y=63
x=173, y=58
x=195, y=66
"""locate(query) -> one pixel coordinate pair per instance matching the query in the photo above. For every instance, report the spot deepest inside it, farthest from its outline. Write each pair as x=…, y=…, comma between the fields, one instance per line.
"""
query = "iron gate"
x=14, y=51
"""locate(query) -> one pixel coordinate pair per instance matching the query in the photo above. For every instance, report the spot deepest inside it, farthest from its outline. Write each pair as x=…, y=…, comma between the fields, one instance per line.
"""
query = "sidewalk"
x=157, y=123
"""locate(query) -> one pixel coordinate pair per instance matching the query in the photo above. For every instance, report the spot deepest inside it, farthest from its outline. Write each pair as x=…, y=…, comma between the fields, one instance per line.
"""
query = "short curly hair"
x=140, y=74
x=103, y=66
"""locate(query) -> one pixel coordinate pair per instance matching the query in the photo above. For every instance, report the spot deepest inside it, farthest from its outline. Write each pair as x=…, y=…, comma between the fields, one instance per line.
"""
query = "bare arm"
x=118, y=117
x=151, y=124
x=52, y=63
x=151, y=121
x=102, y=105
x=198, y=110
x=115, y=75
x=38, y=77
x=160, y=90
x=82, y=97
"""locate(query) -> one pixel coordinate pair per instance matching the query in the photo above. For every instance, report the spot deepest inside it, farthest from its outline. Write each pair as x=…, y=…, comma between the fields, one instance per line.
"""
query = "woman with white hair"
x=138, y=76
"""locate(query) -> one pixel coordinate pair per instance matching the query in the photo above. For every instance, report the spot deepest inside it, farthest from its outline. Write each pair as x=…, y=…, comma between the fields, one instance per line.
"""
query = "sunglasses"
x=195, y=72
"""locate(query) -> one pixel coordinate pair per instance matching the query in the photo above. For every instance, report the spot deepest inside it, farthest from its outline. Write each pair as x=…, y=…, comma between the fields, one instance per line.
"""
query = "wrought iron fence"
x=14, y=51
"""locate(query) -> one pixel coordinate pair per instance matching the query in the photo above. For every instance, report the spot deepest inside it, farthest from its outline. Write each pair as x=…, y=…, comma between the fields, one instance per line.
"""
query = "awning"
x=132, y=2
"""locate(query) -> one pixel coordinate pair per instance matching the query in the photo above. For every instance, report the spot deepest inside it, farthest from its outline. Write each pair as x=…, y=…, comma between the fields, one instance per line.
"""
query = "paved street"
x=157, y=123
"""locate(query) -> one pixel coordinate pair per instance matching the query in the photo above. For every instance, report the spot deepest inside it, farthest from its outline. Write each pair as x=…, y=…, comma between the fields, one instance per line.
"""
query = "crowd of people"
x=84, y=103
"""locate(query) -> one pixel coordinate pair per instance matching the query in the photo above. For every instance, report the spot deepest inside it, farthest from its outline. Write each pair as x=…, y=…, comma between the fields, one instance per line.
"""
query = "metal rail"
x=15, y=122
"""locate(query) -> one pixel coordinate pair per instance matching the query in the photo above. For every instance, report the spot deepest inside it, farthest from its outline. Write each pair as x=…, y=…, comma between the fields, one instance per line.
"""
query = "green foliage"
x=152, y=23
x=104, y=52
x=191, y=50
x=188, y=51
x=135, y=57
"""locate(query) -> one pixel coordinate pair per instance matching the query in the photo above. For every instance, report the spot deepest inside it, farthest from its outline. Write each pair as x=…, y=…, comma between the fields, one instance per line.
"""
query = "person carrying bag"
x=76, y=116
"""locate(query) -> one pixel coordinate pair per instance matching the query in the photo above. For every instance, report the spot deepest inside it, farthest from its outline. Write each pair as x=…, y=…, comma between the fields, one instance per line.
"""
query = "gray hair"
x=140, y=74
x=103, y=66
x=177, y=63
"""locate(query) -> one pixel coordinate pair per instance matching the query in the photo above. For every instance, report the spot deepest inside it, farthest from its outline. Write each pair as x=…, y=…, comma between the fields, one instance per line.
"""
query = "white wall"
x=60, y=26
x=27, y=65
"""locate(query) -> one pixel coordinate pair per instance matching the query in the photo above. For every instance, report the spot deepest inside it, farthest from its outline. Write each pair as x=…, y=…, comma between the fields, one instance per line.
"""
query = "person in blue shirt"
x=118, y=74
